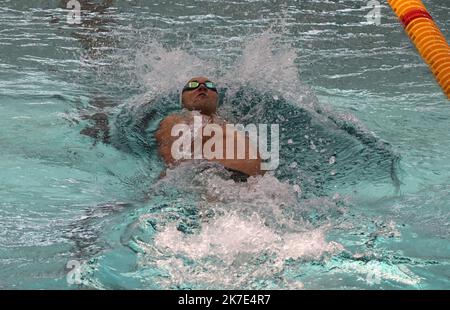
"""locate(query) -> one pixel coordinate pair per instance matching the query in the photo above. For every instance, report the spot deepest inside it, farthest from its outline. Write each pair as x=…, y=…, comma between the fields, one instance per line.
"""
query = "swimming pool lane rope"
x=426, y=36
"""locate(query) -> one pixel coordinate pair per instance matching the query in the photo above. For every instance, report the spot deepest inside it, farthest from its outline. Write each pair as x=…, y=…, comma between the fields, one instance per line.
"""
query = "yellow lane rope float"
x=426, y=36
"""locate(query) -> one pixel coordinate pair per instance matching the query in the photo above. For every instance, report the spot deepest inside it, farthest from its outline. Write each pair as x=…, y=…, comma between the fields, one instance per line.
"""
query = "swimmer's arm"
x=251, y=167
x=164, y=137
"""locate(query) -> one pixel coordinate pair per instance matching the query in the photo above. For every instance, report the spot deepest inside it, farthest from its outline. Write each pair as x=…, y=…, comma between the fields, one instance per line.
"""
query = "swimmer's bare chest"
x=166, y=136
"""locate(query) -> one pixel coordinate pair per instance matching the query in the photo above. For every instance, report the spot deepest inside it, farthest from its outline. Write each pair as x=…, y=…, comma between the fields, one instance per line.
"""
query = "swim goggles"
x=194, y=85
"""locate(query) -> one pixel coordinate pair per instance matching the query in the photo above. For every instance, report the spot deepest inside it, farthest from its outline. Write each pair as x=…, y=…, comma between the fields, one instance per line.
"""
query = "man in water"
x=199, y=100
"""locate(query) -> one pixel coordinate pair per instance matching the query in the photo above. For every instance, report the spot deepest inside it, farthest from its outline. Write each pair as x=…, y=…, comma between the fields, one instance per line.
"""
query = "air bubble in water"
x=332, y=160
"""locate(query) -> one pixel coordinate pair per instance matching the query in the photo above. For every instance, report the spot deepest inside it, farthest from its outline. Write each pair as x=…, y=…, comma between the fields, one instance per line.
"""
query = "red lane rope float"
x=412, y=15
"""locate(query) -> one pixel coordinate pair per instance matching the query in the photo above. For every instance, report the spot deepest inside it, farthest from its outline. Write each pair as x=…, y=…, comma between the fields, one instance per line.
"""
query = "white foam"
x=169, y=69
x=244, y=235
x=230, y=235
x=374, y=272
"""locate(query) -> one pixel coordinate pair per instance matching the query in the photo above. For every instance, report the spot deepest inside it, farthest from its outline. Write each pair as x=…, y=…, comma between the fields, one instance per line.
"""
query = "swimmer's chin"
x=201, y=100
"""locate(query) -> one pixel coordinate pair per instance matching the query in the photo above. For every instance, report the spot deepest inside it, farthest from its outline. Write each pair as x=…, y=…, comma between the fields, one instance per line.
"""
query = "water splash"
x=200, y=228
x=243, y=232
x=268, y=65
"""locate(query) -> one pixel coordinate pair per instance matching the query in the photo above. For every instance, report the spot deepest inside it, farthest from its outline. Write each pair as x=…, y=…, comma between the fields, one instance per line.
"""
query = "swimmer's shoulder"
x=173, y=119
x=163, y=133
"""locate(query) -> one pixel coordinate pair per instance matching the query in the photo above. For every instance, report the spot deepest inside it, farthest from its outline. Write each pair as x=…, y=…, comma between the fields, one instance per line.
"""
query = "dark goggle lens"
x=194, y=85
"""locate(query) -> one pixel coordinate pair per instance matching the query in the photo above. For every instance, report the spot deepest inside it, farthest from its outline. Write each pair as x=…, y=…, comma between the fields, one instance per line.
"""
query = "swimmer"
x=200, y=98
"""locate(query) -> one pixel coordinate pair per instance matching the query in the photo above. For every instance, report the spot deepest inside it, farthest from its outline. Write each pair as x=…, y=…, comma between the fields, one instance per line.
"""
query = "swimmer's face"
x=201, y=98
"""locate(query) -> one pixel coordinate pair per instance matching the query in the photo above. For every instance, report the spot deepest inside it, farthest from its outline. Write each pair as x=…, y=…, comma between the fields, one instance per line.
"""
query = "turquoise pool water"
x=361, y=198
